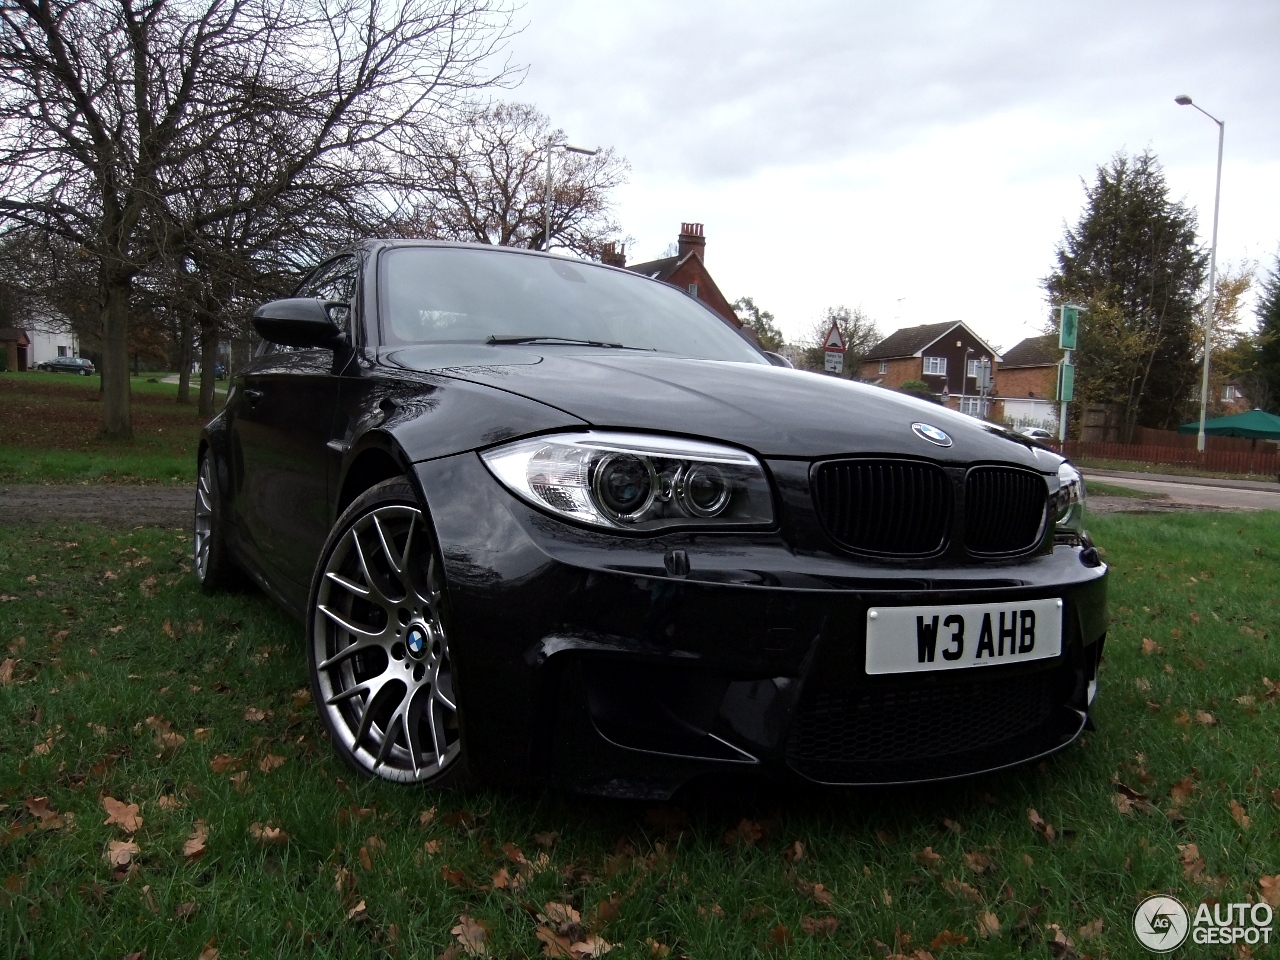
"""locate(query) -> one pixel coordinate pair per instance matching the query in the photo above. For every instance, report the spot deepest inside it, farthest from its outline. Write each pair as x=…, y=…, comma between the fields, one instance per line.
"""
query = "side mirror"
x=298, y=322
x=778, y=360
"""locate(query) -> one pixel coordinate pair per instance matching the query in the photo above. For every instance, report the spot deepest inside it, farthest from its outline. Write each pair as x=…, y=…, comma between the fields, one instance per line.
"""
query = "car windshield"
x=451, y=295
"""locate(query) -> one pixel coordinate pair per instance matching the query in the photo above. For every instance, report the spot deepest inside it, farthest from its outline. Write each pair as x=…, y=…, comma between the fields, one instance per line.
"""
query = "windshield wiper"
x=504, y=339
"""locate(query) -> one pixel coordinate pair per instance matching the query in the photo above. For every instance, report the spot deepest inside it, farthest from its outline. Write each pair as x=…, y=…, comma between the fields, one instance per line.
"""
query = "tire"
x=83, y=372
x=378, y=643
x=213, y=566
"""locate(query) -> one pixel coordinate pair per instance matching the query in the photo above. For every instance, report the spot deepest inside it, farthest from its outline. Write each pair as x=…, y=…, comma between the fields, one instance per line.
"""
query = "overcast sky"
x=859, y=153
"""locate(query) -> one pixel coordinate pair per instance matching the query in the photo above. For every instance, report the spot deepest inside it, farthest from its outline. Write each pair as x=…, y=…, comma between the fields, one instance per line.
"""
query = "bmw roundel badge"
x=416, y=641
x=927, y=431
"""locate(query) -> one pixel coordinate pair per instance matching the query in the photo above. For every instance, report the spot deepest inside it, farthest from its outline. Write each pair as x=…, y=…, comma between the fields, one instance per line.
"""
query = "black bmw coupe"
x=551, y=520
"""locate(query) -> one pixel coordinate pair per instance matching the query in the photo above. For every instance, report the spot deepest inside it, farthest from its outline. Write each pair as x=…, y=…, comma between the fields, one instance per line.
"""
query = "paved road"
x=1180, y=492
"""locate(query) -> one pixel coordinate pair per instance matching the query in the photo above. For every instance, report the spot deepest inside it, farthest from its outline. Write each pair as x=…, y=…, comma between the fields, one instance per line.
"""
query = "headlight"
x=1069, y=504
x=634, y=481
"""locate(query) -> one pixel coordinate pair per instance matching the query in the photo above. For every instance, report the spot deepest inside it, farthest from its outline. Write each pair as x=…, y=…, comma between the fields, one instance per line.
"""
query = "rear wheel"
x=378, y=643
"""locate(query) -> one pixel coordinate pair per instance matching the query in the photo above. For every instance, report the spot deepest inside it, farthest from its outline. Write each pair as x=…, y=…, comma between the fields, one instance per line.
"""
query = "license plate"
x=953, y=637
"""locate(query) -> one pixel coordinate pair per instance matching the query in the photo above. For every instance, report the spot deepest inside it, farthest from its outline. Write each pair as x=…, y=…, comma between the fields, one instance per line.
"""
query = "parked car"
x=1036, y=433
x=546, y=520
x=77, y=365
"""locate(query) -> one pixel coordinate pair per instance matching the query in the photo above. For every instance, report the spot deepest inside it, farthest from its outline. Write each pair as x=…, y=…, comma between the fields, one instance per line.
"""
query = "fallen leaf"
x=820, y=927
x=977, y=862
x=927, y=858
x=560, y=914
x=193, y=847
x=432, y=846
x=958, y=888
x=988, y=925
x=270, y=762
x=254, y=715
x=426, y=816
x=1060, y=945
x=455, y=877
x=657, y=950
x=546, y=839
x=6, y=670
x=123, y=815
x=501, y=879
x=167, y=801
x=120, y=853
x=715, y=910
x=1205, y=718
x=1039, y=826
x=358, y=914
x=268, y=834
x=1149, y=646
x=1237, y=812
x=48, y=818
x=210, y=952
x=780, y=935
x=148, y=900
x=747, y=832
x=1269, y=887
x=1091, y=930
x=793, y=852
x=886, y=898
x=240, y=780
x=1181, y=791
x=186, y=911
x=1193, y=866
x=224, y=762
x=471, y=935
x=952, y=825
x=948, y=939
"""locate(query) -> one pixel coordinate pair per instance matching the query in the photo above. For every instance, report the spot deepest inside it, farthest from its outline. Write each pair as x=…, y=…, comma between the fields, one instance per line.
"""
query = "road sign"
x=1066, y=382
x=1068, y=326
x=835, y=361
x=833, y=342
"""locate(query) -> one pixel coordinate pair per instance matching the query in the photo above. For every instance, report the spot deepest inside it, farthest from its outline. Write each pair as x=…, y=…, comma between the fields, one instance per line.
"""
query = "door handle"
x=252, y=395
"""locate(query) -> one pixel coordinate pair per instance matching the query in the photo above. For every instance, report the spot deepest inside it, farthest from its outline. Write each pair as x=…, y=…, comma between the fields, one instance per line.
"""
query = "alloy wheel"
x=203, y=539
x=381, y=652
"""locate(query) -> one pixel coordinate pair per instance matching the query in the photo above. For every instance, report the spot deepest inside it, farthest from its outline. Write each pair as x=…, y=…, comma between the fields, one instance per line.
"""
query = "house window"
x=64, y=351
x=884, y=366
x=693, y=290
x=935, y=366
x=972, y=406
x=1230, y=393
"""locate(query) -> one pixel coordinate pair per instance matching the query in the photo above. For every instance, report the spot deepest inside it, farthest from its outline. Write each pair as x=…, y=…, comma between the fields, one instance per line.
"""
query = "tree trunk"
x=184, y=361
x=114, y=290
x=208, y=362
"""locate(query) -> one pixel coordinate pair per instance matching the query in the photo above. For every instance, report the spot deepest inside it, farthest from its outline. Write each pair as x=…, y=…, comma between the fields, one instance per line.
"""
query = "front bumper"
x=628, y=666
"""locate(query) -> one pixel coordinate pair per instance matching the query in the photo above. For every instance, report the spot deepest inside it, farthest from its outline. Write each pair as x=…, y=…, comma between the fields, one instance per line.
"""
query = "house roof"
x=1033, y=352
x=658, y=269
x=912, y=341
x=13, y=333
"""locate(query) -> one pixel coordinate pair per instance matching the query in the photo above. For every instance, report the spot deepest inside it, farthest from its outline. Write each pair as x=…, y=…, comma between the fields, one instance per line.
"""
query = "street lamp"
x=546, y=203
x=1185, y=101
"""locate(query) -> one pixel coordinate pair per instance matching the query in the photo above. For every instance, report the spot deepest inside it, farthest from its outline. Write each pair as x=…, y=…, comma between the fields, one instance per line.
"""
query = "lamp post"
x=552, y=146
x=1185, y=101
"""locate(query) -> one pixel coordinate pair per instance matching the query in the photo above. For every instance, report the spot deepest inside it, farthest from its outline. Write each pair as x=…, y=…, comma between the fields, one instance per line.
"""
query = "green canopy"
x=1256, y=424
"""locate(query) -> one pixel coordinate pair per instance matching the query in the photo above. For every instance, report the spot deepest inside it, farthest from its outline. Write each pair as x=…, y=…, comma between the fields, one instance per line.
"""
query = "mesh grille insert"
x=889, y=507
x=1004, y=510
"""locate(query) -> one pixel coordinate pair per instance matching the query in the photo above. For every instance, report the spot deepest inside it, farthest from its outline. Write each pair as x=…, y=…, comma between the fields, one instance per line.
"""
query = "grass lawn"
x=123, y=685
x=1168, y=469
x=49, y=426
x=1095, y=488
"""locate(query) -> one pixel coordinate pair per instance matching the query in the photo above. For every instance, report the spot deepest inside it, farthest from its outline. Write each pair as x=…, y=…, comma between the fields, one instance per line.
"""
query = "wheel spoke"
x=371, y=706
x=348, y=584
x=440, y=697
x=386, y=547
x=347, y=625
x=374, y=588
x=350, y=650
x=436, y=732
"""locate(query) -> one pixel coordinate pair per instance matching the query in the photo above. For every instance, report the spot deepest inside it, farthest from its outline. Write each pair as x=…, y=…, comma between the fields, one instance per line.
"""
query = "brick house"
x=687, y=270
x=949, y=357
x=1026, y=381
x=15, y=345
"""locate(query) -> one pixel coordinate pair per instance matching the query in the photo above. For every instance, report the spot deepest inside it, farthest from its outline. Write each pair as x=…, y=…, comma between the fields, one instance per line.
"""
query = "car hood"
x=774, y=411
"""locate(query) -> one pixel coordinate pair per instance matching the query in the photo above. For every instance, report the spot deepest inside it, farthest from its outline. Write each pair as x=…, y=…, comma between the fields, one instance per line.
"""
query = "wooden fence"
x=1214, y=461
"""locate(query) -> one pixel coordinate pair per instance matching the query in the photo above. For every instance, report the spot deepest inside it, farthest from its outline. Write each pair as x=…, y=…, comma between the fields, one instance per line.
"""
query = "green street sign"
x=1068, y=326
x=1066, y=382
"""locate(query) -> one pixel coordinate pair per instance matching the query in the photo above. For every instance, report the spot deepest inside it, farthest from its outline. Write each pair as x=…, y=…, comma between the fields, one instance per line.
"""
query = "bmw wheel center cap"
x=927, y=431
x=417, y=641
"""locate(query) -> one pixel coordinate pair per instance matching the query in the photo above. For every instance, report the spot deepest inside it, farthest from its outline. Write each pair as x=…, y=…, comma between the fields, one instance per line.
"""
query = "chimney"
x=692, y=240
x=614, y=254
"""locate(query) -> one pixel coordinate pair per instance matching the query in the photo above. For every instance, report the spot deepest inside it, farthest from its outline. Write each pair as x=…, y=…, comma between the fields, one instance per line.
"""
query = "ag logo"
x=1160, y=924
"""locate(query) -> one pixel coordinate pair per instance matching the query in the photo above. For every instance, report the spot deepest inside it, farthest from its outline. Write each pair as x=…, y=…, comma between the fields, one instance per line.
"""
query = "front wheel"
x=378, y=643
x=214, y=567
x=83, y=373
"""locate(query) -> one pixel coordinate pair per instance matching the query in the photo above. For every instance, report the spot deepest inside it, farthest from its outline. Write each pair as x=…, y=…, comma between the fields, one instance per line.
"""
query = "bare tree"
x=482, y=178
x=104, y=103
